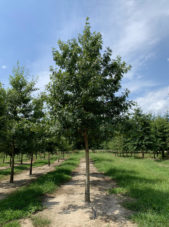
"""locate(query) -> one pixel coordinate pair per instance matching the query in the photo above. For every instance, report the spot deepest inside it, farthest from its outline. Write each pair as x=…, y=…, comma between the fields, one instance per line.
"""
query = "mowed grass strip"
x=18, y=169
x=12, y=224
x=28, y=199
x=40, y=221
x=145, y=180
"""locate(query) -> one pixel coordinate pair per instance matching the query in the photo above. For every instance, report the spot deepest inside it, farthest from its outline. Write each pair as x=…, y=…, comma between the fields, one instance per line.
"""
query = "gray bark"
x=30, y=171
x=87, y=183
x=48, y=158
x=12, y=166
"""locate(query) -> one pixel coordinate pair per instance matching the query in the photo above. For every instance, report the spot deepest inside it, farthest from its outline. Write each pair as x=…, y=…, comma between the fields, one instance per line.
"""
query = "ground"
x=66, y=207
x=24, y=178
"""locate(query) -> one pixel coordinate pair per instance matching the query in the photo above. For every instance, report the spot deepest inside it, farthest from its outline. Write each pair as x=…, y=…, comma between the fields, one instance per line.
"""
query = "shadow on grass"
x=20, y=168
x=151, y=204
x=103, y=205
x=129, y=177
x=28, y=199
x=6, y=172
x=101, y=159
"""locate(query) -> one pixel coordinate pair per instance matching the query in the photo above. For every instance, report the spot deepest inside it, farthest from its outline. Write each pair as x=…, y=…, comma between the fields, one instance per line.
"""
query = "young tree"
x=83, y=92
x=140, y=137
x=19, y=103
x=3, y=119
x=160, y=131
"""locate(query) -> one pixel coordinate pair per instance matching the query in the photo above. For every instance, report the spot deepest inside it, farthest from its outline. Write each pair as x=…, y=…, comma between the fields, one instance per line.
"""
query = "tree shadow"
x=103, y=205
x=148, y=202
x=29, y=199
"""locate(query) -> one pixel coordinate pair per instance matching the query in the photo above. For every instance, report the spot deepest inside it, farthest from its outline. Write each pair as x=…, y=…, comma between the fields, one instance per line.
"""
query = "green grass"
x=39, y=221
x=12, y=224
x=18, y=169
x=145, y=180
x=17, y=160
x=28, y=199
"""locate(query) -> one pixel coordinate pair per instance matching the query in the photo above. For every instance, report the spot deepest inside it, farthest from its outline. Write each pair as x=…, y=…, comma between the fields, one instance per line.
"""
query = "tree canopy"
x=84, y=92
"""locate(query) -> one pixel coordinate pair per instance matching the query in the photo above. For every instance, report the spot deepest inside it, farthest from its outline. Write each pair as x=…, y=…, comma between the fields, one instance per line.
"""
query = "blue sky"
x=137, y=30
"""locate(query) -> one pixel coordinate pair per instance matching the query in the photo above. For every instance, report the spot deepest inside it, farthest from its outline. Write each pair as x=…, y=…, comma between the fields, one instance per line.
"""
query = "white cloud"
x=3, y=66
x=133, y=28
x=155, y=101
x=43, y=80
x=138, y=84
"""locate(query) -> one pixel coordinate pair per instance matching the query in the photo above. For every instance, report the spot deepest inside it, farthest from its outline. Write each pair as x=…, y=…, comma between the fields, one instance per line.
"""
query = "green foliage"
x=3, y=113
x=141, y=131
x=83, y=89
x=160, y=131
x=19, y=107
x=144, y=180
x=20, y=95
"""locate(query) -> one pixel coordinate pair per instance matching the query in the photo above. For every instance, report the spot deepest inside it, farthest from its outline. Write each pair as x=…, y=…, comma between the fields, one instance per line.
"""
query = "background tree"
x=141, y=132
x=19, y=103
x=160, y=132
x=83, y=89
x=3, y=119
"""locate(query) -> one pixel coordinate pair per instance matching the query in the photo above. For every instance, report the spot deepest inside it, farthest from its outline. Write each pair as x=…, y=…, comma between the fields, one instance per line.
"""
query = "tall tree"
x=142, y=139
x=3, y=119
x=83, y=92
x=19, y=103
x=160, y=132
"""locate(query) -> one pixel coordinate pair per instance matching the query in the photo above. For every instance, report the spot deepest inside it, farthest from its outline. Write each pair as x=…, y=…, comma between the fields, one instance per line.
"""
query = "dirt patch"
x=8, y=167
x=66, y=208
x=24, y=178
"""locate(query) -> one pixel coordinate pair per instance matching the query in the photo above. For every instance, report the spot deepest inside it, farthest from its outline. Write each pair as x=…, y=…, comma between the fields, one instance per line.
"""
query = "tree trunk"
x=30, y=171
x=21, y=161
x=142, y=154
x=10, y=161
x=36, y=155
x=4, y=159
x=48, y=158
x=12, y=167
x=162, y=154
x=63, y=155
x=44, y=155
x=154, y=155
x=87, y=183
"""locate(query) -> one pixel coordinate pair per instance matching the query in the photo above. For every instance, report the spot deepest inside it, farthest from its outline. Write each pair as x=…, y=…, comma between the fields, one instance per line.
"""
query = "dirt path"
x=24, y=178
x=66, y=208
x=8, y=167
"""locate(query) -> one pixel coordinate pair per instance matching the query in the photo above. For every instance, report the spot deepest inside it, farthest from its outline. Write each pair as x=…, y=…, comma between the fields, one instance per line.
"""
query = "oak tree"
x=84, y=92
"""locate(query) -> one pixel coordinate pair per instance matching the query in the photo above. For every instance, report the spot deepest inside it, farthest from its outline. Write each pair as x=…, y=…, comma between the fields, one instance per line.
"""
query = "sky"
x=137, y=30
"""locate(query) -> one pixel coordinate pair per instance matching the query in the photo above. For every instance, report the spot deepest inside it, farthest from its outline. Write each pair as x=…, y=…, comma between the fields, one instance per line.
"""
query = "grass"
x=12, y=224
x=145, y=180
x=7, y=160
x=28, y=199
x=18, y=169
x=39, y=221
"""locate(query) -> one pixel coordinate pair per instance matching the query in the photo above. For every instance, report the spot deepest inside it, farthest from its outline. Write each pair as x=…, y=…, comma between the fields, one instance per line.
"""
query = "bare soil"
x=66, y=207
x=24, y=178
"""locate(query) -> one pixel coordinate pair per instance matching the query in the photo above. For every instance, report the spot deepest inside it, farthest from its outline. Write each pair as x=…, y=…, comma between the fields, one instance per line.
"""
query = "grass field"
x=28, y=199
x=145, y=180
